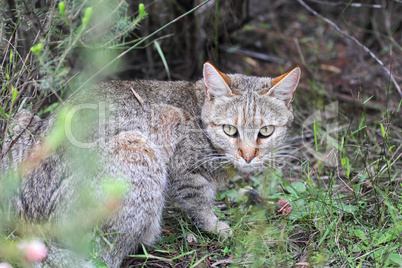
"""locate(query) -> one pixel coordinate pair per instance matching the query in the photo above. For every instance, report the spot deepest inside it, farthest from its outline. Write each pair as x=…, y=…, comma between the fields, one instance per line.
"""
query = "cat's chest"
x=195, y=155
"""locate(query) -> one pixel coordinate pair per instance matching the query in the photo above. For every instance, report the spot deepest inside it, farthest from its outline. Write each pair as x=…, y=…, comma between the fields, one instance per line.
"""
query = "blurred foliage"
x=49, y=48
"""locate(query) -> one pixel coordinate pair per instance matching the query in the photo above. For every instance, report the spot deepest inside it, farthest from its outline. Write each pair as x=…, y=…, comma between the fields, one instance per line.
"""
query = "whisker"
x=288, y=156
x=208, y=158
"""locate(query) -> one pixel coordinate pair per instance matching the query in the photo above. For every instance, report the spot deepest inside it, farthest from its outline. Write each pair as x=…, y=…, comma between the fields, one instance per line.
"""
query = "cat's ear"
x=284, y=86
x=216, y=83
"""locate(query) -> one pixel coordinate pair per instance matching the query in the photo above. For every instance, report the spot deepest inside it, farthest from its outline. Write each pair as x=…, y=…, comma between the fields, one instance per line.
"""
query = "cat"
x=163, y=140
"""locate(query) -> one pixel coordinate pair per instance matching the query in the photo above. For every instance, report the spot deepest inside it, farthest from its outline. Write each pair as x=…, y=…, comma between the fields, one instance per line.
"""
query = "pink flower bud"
x=287, y=210
x=284, y=207
x=5, y=265
x=282, y=201
x=34, y=250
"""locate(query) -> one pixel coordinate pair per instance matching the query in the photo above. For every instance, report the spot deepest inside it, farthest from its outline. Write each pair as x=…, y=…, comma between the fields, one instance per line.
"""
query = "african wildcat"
x=164, y=139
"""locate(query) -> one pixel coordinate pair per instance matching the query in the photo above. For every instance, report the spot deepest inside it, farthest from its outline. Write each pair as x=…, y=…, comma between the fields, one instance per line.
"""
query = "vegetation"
x=342, y=171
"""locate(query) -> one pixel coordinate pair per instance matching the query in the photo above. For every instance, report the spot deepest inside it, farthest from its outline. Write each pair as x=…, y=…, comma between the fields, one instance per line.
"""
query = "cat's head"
x=247, y=118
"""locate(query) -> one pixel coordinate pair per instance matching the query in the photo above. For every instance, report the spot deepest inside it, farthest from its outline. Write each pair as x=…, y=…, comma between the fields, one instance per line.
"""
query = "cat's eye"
x=230, y=130
x=266, y=131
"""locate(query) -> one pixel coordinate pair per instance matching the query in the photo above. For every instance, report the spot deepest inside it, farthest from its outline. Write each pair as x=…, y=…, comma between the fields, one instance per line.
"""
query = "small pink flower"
x=33, y=251
x=287, y=210
x=282, y=201
x=5, y=265
x=284, y=207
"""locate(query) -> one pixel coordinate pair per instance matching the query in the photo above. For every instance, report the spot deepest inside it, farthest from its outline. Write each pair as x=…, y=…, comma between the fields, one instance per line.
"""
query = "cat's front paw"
x=223, y=229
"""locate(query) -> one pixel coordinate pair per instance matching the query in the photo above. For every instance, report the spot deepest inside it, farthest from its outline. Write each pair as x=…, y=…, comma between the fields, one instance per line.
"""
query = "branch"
x=347, y=4
x=366, y=49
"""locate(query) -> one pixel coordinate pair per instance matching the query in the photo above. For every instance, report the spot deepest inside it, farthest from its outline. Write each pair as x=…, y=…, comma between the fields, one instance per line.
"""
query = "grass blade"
x=160, y=52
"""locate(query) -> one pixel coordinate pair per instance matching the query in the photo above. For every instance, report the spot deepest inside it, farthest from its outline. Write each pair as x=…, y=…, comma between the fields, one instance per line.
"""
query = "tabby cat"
x=162, y=139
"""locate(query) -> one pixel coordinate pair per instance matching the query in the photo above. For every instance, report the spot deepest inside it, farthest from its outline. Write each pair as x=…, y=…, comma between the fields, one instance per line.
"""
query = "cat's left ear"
x=216, y=82
x=284, y=86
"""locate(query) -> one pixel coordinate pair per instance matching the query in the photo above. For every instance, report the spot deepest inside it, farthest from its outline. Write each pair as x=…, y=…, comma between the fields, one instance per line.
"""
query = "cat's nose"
x=248, y=158
x=248, y=153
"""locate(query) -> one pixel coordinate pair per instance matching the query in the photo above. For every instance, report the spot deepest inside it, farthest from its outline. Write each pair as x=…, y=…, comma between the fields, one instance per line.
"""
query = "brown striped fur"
x=164, y=139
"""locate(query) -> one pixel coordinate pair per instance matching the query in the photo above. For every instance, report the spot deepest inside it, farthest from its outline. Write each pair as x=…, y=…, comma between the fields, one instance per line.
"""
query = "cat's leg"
x=139, y=214
x=196, y=195
x=144, y=161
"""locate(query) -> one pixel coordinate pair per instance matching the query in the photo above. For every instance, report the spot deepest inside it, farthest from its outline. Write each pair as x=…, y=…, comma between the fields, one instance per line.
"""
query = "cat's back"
x=144, y=93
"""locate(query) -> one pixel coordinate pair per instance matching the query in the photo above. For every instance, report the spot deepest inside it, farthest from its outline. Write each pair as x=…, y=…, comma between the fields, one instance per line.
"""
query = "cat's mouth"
x=253, y=166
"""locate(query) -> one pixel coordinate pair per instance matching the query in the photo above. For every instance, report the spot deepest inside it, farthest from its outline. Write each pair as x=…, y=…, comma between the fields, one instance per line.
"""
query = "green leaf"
x=379, y=253
x=296, y=188
x=159, y=49
x=87, y=16
x=14, y=93
x=141, y=10
x=355, y=248
x=345, y=163
x=315, y=136
x=299, y=186
x=62, y=9
x=3, y=113
x=350, y=208
x=22, y=104
x=367, y=100
x=383, y=130
x=384, y=238
x=360, y=234
x=36, y=49
x=49, y=109
x=231, y=193
x=396, y=258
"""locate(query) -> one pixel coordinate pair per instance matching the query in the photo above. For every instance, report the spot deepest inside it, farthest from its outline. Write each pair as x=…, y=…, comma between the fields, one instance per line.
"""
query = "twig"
x=256, y=55
x=366, y=49
x=222, y=262
x=368, y=253
x=347, y=4
x=303, y=60
x=140, y=100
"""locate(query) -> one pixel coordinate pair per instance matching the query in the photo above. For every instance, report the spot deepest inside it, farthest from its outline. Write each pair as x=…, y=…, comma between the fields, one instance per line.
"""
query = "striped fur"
x=163, y=139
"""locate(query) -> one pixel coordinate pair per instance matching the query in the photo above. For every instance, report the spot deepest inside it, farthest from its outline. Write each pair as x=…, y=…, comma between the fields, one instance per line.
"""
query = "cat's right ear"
x=216, y=82
x=284, y=86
